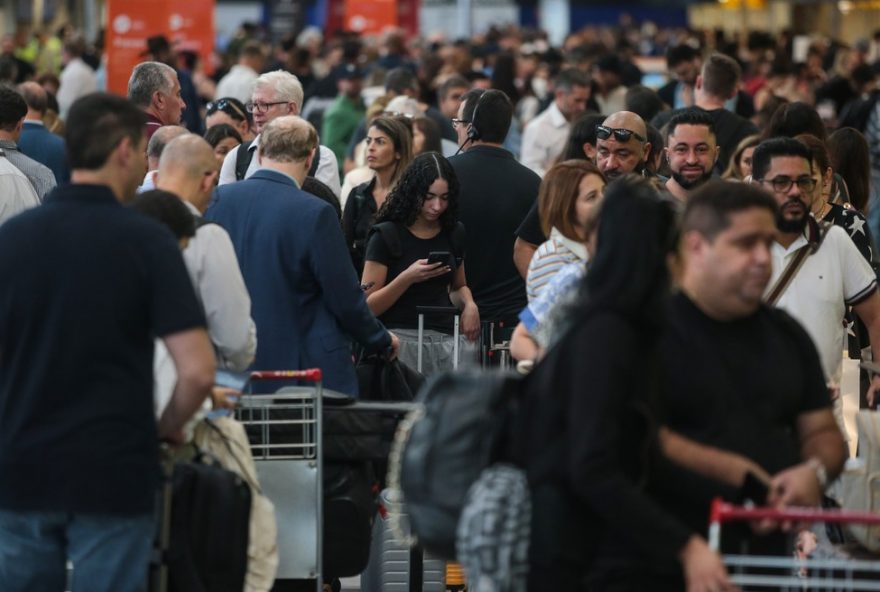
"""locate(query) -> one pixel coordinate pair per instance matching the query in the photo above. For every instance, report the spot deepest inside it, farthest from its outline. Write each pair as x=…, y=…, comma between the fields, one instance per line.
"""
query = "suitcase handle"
x=437, y=310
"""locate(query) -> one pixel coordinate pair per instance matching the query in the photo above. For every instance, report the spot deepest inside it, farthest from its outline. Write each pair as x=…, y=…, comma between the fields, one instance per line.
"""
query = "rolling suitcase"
x=394, y=566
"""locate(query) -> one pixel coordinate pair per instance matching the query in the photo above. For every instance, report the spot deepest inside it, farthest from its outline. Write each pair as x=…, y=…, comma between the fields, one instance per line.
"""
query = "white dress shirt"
x=327, y=173
x=238, y=83
x=213, y=268
x=544, y=139
x=76, y=80
x=16, y=192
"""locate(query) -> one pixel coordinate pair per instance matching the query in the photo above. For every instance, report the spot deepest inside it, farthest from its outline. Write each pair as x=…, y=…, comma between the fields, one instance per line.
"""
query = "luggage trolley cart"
x=290, y=472
x=791, y=573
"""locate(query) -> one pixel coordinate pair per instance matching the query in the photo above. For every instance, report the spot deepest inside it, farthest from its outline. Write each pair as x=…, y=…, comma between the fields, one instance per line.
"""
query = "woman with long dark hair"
x=415, y=257
x=586, y=429
x=389, y=152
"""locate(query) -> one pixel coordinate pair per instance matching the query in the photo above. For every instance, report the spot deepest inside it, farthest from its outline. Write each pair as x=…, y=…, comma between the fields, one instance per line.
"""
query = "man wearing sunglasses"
x=833, y=274
x=230, y=111
x=621, y=145
x=276, y=94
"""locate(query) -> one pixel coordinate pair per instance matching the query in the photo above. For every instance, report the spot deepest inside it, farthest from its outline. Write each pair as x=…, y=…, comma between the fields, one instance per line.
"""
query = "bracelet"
x=821, y=472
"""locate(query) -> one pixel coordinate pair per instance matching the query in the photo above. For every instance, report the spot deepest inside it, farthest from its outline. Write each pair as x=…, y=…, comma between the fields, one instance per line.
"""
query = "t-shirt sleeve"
x=377, y=250
x=859, y=281
x=530, y=229
x=173, y=304
x=815, y=395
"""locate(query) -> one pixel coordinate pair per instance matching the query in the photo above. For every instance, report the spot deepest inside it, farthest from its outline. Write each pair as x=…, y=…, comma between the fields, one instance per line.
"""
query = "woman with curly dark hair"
x=389, y=152
x=415, y=257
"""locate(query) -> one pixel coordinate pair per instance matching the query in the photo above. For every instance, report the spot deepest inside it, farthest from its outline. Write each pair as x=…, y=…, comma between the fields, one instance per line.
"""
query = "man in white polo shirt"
x=832, y=275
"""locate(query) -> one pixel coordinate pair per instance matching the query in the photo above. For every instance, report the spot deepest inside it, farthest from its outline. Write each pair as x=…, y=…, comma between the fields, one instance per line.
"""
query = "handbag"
x=383, y=380
x=860, y=480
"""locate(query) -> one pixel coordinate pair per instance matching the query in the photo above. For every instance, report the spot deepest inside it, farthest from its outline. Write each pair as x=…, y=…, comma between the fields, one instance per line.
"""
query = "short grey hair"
x=288, y=139
x=161, y=137
x=287, y=87
x=147, y=78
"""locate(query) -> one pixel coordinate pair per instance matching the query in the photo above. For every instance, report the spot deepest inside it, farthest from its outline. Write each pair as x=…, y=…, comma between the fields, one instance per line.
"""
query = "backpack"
x=390, y=232
x=860, y=480
x=442, y=447
x=244, y=157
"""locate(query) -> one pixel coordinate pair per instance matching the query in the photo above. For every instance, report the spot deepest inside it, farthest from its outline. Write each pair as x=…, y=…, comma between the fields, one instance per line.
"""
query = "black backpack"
x=244, y=157
x=461, y=430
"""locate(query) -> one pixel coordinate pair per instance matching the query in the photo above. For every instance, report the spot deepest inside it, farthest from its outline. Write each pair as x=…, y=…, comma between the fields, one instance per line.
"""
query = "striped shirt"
x=41, y=177
x=550, y=257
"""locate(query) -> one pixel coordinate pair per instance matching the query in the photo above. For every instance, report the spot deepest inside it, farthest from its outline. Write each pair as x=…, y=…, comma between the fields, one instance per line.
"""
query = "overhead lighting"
x=845, y=6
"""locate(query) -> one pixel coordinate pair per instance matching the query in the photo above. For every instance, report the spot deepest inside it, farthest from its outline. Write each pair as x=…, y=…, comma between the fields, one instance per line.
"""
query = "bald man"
x=622, y=145
x=35, y=140
x=308, y=304
x=160, y=138
x=188, y=169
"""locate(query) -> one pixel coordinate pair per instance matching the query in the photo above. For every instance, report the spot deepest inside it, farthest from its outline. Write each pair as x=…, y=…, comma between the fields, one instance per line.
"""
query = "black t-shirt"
x=739, y=386
x=433, y=292
x=87, y=287
x=496, y=195
x=530, y=230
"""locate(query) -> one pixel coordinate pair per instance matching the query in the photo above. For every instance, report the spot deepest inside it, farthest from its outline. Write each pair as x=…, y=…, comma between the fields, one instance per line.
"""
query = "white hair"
x=286, y=86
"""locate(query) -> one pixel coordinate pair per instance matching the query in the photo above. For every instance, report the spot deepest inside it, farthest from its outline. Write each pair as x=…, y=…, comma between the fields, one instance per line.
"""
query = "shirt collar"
x=277, y=172
x=82, y=192
x=8, y=145
x=34, y=122
x=556, y=116
x=193, y=210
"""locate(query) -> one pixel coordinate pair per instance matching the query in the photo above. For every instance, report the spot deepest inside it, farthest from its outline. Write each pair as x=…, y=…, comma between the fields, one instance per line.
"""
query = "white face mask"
x=539, y=87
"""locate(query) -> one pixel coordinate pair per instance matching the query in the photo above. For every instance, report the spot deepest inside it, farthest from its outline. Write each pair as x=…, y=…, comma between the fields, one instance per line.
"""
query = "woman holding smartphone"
x=415, y=257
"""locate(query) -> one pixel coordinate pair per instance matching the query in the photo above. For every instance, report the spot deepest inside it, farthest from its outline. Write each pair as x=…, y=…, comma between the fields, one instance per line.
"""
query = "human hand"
x=796, y=486
x=872, y=391
x=395, y=346
x=421, y=271
x=470, y=322
x=224, y=398
x=703, y=569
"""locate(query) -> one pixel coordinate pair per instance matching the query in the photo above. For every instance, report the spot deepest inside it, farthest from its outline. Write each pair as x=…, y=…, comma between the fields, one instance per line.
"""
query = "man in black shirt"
x=718, y=83
x=738, y=375
x=86, y=285
x=496, y=194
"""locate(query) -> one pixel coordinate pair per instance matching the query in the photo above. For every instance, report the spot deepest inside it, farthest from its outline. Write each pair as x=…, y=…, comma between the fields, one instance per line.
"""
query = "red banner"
x=132, y=22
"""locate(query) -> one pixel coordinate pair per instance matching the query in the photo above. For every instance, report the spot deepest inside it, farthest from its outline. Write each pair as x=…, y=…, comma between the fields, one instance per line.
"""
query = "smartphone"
x=439, y=257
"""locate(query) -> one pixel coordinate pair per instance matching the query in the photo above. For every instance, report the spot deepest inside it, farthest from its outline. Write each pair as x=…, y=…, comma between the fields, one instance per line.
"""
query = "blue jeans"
x=109, y=553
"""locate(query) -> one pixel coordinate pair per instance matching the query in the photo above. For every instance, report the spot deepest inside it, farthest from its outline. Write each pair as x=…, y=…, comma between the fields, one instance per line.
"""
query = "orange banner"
x=132, y=22
x=370, y=16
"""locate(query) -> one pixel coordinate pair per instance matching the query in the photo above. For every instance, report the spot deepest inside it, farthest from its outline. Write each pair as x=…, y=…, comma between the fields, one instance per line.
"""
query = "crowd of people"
x=681, y=270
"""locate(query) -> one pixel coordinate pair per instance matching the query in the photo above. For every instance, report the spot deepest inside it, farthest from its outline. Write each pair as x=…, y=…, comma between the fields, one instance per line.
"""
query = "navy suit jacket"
x=307, y=300
x=46, y=148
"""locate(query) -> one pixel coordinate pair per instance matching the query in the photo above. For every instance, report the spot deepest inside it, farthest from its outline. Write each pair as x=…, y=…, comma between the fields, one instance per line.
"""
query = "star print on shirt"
x=856, y=225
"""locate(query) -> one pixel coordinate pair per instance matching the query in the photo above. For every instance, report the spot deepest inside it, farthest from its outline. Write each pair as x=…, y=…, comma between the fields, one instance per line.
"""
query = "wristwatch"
x=821, y=472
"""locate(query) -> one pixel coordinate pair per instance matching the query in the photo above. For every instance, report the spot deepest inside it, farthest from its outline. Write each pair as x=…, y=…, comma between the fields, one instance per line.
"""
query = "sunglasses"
x=620, y=134
x=223, y=105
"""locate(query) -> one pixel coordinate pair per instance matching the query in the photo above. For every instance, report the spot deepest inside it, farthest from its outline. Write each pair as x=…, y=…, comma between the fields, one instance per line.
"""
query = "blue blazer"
x=307, y=300
x=46, y=148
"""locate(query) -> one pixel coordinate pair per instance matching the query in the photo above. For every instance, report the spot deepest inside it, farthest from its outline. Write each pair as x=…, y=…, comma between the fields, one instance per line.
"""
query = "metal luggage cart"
x=291, y=471
x=756, y=572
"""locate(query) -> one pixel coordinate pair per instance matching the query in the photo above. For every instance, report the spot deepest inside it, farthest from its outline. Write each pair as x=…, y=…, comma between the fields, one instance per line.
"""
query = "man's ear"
x=698, y=84
x=692, y=243
x=646, y=152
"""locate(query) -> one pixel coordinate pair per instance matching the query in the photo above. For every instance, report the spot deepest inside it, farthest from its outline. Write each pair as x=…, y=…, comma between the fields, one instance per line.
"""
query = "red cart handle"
x=310, y=375
x=722, y=511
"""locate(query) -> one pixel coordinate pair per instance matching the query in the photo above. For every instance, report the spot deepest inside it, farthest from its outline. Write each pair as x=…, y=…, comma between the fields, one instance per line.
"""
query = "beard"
x=689, y=184
x=792, y=225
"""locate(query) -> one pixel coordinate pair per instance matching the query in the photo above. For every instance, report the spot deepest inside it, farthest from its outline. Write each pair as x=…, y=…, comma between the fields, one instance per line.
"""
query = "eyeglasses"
x=782, y=184
x=261, y=107
x=457, y=122
x=620, y=134
x=222, y=105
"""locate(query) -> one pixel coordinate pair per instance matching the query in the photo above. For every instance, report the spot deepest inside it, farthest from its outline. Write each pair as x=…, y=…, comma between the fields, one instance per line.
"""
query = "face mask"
x=539, y=87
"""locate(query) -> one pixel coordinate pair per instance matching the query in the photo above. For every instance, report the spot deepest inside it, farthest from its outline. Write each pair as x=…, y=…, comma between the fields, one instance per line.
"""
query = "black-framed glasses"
x=224, y=105
x=261, y=107
x=782, y=183
x=620, y=134
x=457, y=122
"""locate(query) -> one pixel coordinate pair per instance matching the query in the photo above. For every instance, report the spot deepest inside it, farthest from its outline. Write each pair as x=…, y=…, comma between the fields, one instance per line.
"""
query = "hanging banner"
x=132, y=22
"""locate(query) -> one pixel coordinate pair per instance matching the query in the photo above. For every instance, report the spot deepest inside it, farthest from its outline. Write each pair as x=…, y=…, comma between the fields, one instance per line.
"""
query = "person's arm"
x=522, y=345
x=381, y=297
x=533, y=153
x=224, y=297
x=869, y=311
x=712, y=463
x=823, y=450
x=193, y=358
x=463, y=300
x=523, y=252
